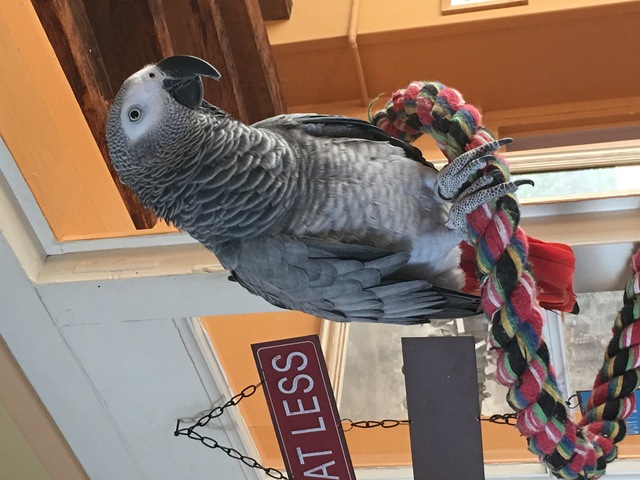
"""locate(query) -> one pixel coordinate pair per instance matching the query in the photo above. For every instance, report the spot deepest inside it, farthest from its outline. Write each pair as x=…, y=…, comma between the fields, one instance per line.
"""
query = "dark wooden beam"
x=196, y=28
x=276, y=9
x=71, y=34
x=130, y=34
x=254, y=62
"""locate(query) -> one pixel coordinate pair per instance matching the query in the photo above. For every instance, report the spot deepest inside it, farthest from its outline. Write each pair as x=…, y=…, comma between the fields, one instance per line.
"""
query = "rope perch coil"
x=509, y=301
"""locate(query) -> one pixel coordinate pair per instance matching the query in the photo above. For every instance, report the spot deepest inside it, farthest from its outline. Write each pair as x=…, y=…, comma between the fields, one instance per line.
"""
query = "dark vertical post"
x=442, y=399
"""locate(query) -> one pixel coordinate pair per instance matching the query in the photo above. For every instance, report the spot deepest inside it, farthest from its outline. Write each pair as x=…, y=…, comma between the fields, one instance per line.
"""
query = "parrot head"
x=151, y=108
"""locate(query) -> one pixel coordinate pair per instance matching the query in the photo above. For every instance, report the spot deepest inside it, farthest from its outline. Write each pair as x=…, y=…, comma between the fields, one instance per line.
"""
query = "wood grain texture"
x=197, y=28
x=255, y=65
x=72, y=31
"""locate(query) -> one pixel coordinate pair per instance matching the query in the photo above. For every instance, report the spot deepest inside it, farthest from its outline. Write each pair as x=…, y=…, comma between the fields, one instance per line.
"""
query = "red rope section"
x=509, y=301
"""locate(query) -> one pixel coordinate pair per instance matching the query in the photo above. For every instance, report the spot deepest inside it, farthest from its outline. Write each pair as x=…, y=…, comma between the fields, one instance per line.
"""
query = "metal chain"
x=217, y=411
x=511, y=418
x=387, y=423
x=212, y=443
x=232, y=452
x=501, y=419
x=504, y=419
x=573, y=401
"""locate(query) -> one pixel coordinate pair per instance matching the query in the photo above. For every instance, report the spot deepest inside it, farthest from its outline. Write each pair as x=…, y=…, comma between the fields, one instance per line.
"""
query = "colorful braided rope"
x=509, y=301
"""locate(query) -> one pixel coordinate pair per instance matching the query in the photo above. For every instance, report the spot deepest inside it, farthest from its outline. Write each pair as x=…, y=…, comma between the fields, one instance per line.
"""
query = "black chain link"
x=387, y=423
x=501, y=419
x=511, y=418
x=230, y=451
x=573, y=401
x=216, y=412
x=212, y=443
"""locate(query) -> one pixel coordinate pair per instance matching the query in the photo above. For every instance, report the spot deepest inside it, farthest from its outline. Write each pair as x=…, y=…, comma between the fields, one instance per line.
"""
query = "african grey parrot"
x=323, y=214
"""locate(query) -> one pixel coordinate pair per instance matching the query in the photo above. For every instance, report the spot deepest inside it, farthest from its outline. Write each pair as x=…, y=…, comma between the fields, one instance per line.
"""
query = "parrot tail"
x=458, y=304
x=552, y=265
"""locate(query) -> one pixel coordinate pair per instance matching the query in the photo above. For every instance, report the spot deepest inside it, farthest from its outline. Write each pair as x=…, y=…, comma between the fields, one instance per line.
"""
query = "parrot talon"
x=483, y=182
x=452, y=178
x=476, y=195
x=525, y=181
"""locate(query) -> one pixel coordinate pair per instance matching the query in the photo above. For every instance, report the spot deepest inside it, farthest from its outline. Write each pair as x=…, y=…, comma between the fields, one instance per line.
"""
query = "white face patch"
x=143, y=104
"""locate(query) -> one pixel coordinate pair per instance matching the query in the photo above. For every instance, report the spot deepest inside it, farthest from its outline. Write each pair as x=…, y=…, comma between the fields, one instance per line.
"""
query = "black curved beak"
x=183, y=80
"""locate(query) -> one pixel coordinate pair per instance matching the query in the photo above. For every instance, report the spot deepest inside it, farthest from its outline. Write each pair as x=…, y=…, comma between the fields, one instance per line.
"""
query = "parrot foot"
x=453, y=177
x=480, y=192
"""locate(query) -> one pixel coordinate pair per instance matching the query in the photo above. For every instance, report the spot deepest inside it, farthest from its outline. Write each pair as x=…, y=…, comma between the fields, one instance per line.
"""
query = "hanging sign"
x=303, y=409
x=442, y=400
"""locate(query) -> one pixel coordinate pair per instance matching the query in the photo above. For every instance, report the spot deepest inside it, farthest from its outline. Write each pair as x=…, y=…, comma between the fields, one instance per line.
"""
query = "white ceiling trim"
x=141, y=284
x=57, y=376
x=20, y=191
x=114, y=388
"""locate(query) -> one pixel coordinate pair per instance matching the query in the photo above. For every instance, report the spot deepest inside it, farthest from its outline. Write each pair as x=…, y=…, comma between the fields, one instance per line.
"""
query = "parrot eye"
x=135, y=114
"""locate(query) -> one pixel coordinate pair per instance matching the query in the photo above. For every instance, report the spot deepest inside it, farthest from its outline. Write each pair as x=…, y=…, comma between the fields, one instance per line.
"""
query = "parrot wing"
x=339, y=281
x=340, y=127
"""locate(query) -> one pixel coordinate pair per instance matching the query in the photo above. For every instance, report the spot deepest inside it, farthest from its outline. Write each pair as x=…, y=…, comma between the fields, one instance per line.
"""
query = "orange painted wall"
x=46, y=133
x=543, y=53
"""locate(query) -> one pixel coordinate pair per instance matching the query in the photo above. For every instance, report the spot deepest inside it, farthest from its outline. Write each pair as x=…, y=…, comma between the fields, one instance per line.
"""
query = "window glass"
x=581, y=182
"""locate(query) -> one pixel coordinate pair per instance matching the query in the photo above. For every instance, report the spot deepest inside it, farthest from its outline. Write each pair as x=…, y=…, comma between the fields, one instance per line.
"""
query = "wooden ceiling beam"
x=129, y=34
x=255, y=66
x=71, y=33
x=276, y=9
x=197, y=28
